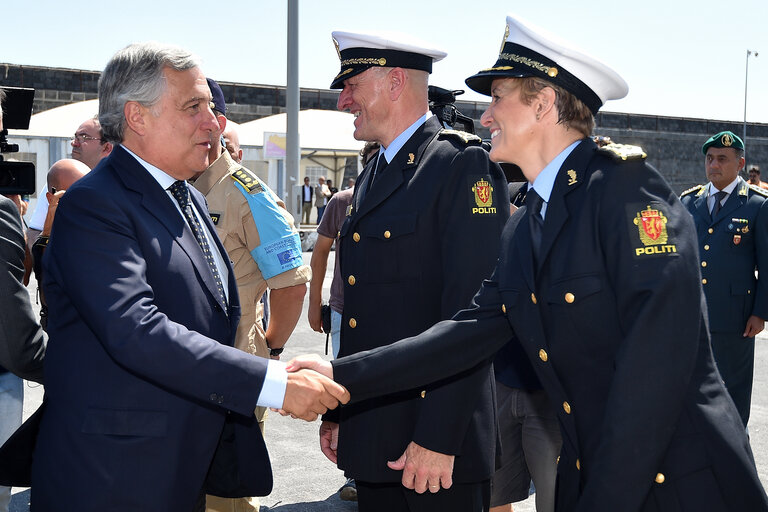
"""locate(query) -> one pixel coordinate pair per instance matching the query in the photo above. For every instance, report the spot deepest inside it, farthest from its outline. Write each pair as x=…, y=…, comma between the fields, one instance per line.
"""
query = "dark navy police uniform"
x=413, y=251
x=612, y=320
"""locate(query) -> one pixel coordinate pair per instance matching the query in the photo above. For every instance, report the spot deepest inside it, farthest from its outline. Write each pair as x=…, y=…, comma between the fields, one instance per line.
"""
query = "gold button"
x=351, y=280
x=660, y=478
x=352, y=323
x=338, y=234
x=533, y=298
x=569, y=298
x=710, y=231
x=543, y=355
x=749, y=292
x=387, y=234
x=557, y=460
x=706, y=247
x=703, y=263
x=567, y=407
x=578, y=464
x=703, y=281
x=356, y=237
x=423, y=393
x=503, y=309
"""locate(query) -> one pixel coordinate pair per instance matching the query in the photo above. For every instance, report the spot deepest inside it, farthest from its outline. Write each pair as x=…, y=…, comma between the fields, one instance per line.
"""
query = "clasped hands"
x=423, y=469
x=310, y=390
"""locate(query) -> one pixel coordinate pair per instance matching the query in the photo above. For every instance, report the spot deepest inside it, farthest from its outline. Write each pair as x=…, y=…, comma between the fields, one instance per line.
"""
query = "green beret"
x=724, y=139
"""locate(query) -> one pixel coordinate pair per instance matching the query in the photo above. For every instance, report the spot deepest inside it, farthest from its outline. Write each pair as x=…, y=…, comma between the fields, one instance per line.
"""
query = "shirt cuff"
x=273, y=390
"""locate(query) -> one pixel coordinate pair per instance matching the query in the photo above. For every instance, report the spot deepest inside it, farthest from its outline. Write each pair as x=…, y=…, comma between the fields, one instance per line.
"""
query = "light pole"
x=746, y=82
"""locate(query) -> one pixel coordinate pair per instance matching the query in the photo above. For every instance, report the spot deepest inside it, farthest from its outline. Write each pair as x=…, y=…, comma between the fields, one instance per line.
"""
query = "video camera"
x=442, y=104
x=16, y=177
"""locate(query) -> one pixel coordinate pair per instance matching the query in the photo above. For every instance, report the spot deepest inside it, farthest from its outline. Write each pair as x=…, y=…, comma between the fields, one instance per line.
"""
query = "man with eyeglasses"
x=88, y=147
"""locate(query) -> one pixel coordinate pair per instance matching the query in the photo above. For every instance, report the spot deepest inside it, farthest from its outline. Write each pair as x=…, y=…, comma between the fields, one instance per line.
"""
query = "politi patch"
x=482, y=195
x=649, y=233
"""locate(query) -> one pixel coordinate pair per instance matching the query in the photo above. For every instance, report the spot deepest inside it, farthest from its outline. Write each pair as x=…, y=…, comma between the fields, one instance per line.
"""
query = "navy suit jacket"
x=140, y=373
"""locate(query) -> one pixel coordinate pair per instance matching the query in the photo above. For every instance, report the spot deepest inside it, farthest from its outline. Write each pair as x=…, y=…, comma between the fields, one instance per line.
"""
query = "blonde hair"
x=571, y=111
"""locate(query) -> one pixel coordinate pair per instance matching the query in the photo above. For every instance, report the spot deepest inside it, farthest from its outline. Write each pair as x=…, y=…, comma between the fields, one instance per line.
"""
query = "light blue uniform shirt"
x=545, y=181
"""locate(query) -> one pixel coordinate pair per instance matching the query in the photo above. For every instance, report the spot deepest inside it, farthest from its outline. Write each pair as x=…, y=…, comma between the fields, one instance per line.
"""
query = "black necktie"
x=719, y=195
x=534, y=203
x=381, y=163
x=181, y=194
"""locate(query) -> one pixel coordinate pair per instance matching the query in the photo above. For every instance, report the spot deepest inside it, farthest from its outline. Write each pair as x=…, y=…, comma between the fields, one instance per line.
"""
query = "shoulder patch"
x=623, y=152
x=758, y=190
x=248, y=180
x=465, y=137
x=697, y=188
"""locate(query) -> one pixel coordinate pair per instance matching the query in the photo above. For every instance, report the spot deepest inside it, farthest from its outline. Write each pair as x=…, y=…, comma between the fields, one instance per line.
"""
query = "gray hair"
x=135, y=73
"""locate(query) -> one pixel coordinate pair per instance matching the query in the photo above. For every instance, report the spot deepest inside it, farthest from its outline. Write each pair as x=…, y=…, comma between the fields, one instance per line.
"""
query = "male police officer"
x=265, y=249
x=421, y=233
x=732, y=227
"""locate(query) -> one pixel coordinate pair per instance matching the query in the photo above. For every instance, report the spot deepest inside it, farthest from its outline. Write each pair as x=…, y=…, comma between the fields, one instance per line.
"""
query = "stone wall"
x=673, y=144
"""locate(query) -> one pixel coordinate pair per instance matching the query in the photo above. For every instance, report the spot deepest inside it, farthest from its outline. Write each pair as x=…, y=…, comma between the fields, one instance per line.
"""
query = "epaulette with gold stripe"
x=248, y=180
x=623, y=152
x=465, y=137
x=697, y=188
x=759, y=190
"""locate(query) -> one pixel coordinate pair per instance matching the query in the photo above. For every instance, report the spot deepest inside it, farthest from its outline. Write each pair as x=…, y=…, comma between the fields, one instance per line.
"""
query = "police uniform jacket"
x=732, y=245
x=612, y=320
x=413, y=251
x=229, y=190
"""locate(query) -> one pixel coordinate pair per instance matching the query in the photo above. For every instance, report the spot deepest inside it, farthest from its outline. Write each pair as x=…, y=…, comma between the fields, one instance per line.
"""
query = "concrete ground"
x=305, y=481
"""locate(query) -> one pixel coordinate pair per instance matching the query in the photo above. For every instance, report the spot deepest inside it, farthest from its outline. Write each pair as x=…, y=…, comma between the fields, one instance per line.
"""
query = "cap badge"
x=727, y=140
x=506, y=35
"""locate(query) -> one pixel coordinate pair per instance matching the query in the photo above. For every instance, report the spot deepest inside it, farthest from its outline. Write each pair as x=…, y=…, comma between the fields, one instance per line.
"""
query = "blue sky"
x=680, y=58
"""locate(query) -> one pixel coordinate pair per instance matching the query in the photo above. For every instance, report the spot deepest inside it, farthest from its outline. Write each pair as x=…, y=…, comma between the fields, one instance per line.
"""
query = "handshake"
x=310, y=390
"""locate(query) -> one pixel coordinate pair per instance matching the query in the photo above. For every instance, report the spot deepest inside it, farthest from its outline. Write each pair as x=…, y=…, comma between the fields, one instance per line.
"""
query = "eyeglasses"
x=81, y=137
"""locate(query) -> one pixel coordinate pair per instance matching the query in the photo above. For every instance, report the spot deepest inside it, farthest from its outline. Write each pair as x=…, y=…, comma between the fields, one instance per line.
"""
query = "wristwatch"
x=276, y=351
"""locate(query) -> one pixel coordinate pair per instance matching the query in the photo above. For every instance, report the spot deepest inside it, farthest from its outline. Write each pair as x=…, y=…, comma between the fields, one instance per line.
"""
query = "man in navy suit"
x=148, y=404
x=731, y=218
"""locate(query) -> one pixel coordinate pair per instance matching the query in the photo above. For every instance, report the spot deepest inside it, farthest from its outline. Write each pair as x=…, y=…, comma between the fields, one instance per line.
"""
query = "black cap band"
x=356, y=60
x=516, y=61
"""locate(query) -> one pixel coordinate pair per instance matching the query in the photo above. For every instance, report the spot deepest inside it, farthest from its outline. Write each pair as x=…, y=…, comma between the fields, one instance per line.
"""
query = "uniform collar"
x=711, y=189
x=545, y=181
x=214, y=173
x=400, y=140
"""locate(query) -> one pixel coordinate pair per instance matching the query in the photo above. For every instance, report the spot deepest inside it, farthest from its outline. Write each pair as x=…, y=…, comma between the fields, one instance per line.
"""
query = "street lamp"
x=746, y=82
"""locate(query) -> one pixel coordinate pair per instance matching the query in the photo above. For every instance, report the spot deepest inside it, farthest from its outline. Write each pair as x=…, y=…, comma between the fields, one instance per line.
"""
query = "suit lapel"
x=569, y=178
x=734, y=201
x=159, y=204
x=406, y=159
x=525, y=250
x=701, y=209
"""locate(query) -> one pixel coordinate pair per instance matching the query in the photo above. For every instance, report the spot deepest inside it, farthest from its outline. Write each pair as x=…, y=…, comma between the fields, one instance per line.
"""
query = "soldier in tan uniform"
x=264, y=246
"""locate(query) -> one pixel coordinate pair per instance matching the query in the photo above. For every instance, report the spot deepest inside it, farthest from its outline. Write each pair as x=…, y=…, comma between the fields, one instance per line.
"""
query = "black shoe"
x=348, y=491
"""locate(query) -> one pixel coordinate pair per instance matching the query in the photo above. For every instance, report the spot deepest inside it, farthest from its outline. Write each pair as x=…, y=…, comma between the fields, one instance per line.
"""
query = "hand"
x=315, y=316
x=424, y=469
x=311, y=362
x=755, y=325
x=329, y=439
x=309, y=394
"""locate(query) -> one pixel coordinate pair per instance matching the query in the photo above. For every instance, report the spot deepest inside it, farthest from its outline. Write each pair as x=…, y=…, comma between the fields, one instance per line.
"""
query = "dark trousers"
x=735, y=358
x=374, y=497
